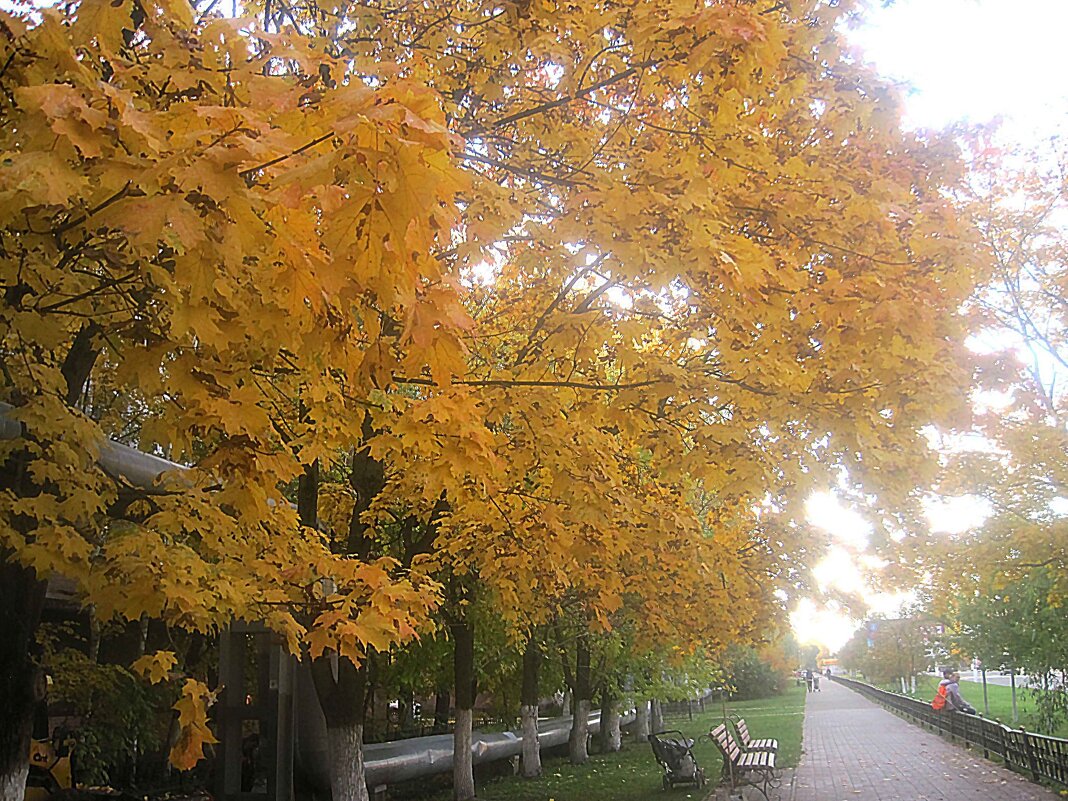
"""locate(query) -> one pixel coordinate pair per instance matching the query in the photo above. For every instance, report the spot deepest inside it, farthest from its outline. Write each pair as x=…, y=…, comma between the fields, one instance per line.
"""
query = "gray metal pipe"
x=119, y=461
x=388, y=763
x=401, y=760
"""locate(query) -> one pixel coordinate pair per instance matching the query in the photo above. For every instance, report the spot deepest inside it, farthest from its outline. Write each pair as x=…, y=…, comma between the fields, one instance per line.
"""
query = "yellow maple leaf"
x=155, y=667
x=195, y=733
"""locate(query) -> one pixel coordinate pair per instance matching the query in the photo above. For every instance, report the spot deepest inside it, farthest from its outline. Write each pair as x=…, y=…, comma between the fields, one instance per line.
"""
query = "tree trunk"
x=615, y=743
x=463, y=772
x=347, y=781
x=576, y=742
x=13, y=785
x=94, y=635
x=609, y=737
x=528, y=710
x=602, y=732
x=341, y=697
x=142, y=635
x=577, y=747
x=442, y=703
x=641, y=721
x=21, y=679
x=656, y=716
x=565, y=705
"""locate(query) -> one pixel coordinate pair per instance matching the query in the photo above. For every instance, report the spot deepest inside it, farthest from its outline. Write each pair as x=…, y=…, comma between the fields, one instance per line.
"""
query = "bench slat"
x=747, y=741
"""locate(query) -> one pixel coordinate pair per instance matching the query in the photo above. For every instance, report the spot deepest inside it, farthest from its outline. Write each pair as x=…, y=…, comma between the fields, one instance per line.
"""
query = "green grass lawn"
x=633, y=775
x=1000, y=699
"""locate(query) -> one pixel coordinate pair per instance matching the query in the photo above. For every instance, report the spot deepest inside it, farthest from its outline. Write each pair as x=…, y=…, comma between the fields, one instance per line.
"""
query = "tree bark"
x=610, y=741
x=656, y=716
x=94, y=635
x=463, y=775
x=615, y=738
x=346, y=763
x=641, y=721
x=142, y=635
x=602, y=732
x=577, y=747
x=79, y=362
x=21, y=679
x=442, y=704
x=342, y=700
x=530, y=762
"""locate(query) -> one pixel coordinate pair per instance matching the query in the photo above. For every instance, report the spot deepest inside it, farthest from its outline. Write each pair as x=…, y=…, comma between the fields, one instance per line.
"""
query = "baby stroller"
x=674, y=753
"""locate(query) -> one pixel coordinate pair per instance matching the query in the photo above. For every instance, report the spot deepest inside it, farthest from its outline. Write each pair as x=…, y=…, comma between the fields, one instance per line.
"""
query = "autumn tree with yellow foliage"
x=193, y=218
x=566, y=292
x=698, y=252
x=1013, y=455
x=1021, y=213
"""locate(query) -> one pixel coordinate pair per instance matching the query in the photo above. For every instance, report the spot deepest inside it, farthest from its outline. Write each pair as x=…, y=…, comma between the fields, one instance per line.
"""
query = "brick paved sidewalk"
x=855, y=749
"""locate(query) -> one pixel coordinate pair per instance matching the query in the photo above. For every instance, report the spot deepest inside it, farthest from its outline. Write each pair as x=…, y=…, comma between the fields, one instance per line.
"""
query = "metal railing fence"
x=1041, y=756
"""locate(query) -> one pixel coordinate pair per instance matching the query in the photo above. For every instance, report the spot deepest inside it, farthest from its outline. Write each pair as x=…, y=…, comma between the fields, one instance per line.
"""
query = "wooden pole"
x=1012, y=681
x=986, y=701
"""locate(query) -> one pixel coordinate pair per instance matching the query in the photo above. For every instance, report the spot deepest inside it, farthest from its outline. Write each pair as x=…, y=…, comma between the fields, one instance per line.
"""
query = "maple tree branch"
x=289, y=13
x=95, y=210
x=59, y=304
x=777, y=7
x=592, y=297
x=874, y=259
x=1035, y=565
x=738, y=382
x=507, y=382
x=563, y=101
x=526, y=172
x=531, y=496
x=563, y=293
x=507, y=520
x=249, y=171
x=7, y=63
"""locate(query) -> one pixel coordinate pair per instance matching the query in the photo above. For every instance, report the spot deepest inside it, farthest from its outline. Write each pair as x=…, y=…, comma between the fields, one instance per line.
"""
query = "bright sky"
x=956, y=60
x=974, y=60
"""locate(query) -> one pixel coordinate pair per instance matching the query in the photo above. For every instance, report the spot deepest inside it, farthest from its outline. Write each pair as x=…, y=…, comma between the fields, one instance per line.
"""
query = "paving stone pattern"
x=855, y=749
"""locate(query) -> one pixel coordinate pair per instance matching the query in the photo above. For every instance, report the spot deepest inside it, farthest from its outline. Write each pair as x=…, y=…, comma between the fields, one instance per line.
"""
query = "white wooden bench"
x=754, y=768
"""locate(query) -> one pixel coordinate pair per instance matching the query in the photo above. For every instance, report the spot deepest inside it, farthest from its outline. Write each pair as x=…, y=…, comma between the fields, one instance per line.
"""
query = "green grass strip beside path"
x=633, y=775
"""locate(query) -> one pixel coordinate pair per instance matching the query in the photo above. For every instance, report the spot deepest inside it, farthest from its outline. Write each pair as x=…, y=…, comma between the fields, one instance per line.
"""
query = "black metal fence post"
x=1029, y=750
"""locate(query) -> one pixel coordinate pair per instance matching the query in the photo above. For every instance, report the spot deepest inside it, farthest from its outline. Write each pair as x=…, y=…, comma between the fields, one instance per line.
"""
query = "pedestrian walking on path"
x=855, y=749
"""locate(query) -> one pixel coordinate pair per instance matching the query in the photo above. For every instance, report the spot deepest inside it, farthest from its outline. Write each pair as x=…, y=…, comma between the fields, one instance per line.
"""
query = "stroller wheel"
x=666, y=782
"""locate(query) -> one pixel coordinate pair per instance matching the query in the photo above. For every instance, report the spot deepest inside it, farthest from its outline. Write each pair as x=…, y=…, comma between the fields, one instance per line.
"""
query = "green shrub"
x=749, y=676
x=117, y=718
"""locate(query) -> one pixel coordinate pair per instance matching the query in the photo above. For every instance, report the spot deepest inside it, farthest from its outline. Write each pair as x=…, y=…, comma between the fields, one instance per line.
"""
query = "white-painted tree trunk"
x=13, y=783
x=463, y=773
x=641, y=721
x=656, y=716
x=347, y=779
x=577, y=745
x=610, y=718
x=565, y=707
x=530, y=763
